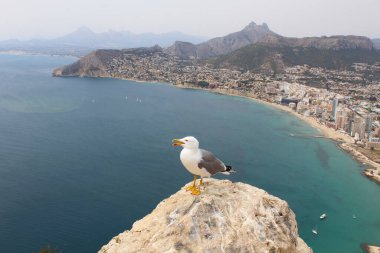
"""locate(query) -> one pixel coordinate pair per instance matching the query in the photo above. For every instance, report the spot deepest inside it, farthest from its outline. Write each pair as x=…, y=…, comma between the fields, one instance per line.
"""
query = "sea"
x=81, y=159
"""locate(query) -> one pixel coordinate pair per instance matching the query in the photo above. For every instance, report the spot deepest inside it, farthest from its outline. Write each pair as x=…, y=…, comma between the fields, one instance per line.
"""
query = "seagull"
x=199, y=162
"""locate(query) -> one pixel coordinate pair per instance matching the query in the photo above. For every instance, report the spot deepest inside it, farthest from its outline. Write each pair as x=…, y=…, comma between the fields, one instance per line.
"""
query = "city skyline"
x=24, y=20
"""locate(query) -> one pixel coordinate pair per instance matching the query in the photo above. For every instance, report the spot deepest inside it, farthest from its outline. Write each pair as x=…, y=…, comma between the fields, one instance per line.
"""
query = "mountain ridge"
x=261, y=56
x=220, y=45
x=253, y=33
x=335, y=42
x=255, y=47
x=83, y=40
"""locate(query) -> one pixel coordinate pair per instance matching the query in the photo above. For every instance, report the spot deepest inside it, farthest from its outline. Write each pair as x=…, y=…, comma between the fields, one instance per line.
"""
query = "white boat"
x=354, y=216
x=314, y=230
x=323, y=216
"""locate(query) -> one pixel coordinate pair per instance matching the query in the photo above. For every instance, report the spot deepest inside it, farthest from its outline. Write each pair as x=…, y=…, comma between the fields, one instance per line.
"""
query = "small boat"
x=314, y=230
x=353, y=216
x=323, y=216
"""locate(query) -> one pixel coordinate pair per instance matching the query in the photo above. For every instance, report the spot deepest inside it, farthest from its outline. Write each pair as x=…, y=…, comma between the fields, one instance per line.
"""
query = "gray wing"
x=212, y=164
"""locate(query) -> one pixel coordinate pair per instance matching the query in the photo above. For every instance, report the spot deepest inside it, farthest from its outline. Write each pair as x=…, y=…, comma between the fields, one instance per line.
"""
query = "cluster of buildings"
x=360, y=120
x=348, y=101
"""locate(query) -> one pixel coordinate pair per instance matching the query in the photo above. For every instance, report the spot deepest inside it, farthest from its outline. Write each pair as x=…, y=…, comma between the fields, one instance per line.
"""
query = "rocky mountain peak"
x=250, y=25
x=221, y=45
x=227, y=217
x=254, y=27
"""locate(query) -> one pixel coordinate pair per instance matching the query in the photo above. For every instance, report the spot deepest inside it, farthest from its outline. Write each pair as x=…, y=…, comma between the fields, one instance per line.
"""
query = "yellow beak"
x=177, y=142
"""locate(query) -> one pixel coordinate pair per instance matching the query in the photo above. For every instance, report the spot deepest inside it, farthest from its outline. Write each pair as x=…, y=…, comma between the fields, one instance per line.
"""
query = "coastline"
x=344, y=141
x=370, y=248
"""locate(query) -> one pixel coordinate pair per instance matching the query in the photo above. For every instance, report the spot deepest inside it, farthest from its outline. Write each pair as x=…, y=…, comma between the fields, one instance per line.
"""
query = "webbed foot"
x=196, y=192
x=190, y=188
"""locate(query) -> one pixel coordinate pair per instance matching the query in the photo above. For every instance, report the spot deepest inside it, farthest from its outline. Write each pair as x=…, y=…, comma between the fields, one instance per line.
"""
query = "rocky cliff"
x=226, y=217
x=324, y=42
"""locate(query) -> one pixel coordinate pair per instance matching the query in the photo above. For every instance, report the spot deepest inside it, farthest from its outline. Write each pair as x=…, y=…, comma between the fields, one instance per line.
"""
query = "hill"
x=273, y=56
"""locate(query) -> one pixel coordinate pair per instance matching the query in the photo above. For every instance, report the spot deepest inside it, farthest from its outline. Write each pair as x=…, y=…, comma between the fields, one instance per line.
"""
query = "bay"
x=82, y=158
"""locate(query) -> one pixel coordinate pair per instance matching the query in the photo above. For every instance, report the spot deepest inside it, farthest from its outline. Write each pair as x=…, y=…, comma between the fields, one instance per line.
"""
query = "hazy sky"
x=24, y=19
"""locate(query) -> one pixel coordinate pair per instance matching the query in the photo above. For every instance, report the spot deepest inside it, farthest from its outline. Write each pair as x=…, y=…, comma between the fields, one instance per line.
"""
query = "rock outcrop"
x=371, y=249
x=226, y=217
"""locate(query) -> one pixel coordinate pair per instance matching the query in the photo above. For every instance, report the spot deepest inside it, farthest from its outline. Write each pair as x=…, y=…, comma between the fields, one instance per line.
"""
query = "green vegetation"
x=203, y=84
x=255, y=56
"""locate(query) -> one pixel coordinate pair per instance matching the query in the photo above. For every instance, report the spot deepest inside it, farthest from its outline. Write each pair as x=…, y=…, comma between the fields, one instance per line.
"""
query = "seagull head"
x=186, y=142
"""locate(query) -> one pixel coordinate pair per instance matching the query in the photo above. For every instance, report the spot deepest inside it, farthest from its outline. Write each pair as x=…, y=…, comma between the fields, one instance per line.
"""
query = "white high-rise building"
x=335, y=107
x=368, y=123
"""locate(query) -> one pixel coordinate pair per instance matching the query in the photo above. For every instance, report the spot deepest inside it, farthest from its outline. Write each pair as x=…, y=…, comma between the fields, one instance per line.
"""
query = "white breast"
x=190, y=159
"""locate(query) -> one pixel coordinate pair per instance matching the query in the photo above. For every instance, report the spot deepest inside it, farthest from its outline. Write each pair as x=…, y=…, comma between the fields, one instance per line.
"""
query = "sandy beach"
x=343, y=139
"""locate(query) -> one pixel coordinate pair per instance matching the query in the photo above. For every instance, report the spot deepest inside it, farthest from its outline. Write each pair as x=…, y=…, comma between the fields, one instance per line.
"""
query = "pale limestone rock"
x=226, y=217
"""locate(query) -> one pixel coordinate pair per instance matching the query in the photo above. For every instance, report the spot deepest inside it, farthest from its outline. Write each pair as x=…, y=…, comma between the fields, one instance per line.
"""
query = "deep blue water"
x=79, y=163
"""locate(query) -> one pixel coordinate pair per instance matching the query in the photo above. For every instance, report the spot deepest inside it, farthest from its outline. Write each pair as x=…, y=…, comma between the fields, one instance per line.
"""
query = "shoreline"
x=343, y=140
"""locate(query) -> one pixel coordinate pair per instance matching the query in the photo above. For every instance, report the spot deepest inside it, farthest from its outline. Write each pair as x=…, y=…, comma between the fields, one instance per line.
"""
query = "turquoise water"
x=79, y=163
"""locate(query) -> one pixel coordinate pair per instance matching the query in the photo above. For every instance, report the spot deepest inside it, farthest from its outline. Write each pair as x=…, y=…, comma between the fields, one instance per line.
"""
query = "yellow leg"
x=197, y=191
x=192, y=187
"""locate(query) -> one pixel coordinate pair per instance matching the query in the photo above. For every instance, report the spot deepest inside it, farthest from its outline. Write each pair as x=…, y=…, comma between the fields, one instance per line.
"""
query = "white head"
x=186, y=142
